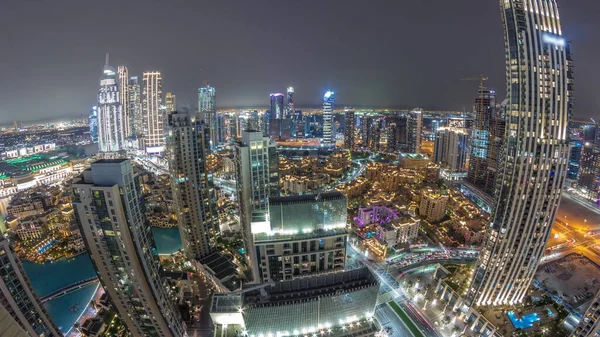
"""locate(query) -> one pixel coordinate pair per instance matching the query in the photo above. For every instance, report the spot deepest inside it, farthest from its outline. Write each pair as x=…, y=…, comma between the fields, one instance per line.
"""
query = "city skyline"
x=360, y=78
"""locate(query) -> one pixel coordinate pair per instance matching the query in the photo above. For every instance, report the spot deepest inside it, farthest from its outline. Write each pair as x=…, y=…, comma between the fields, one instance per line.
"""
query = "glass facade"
x=308, y=212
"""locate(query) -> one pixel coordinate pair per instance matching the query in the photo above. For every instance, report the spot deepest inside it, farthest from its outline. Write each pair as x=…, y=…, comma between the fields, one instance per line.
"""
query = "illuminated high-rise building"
x=207, y=106
x=276, y=111
x=328, y=124
x=111, y=134
x=93, y=122
x=588, y=182
x=193, y=191
x=349, y=128
x=535, y=152
x=124, y=97
x=482, y=168
x=257, y=179
x=170, y=102
x=414, y=129
x=19, y=300
x=451, y=148
x=291, y=105
x=589, y=325
x=135, y=107
x=153, y=115
x=109, y=208
x=396, y=126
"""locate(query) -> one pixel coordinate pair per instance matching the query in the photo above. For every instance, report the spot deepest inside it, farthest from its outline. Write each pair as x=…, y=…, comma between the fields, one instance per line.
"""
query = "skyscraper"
x=589, y=325
x=396, y=133
x=193, y=193
x=328, y=125
x=276, y=104
x=124, y=97
x=588, y=182
x=535, y=152
x=451, y=148
x=414, y=128
x=109, y=209
x=349, y=128
x=19, y=300
x=291, y=106
x=257, y=179
x=575, y=158
x=307, y=234
x=93, y=122
x=153, y=114
x=135, y=107
x=170, y=102
x=207, y=106
x=480, y=175
x=111, y=135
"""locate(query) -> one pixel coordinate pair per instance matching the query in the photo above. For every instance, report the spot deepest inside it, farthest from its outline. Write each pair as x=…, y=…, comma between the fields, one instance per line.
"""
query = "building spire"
x=106, y=59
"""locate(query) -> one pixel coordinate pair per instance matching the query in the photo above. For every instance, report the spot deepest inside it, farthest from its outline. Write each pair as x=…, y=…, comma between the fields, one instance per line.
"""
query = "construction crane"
x=481, y=80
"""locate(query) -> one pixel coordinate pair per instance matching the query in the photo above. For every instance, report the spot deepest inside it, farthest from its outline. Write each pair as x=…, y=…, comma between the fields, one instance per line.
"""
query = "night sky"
x=390, y=53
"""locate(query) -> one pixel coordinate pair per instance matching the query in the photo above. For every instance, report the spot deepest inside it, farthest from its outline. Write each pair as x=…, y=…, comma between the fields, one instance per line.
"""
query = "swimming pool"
x=525, y=322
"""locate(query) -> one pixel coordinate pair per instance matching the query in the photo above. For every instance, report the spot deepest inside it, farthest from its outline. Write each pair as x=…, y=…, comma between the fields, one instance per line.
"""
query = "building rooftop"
x=311, y=287
x=413, y=155
x=335, y=195
x=110, y=161
x=221, y=266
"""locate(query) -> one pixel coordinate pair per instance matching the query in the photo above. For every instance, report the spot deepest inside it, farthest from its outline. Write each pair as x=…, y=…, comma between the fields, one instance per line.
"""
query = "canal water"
x=48, y=277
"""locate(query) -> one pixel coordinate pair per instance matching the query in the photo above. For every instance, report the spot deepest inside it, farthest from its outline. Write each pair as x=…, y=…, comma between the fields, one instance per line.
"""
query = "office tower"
x=589, y=172
x=575, y=158
x=193, y=191
x=337, y=304
x=135, y=107
x=276, y=111
x=207, y=106
x=124, y=97
x=19, y=300
x=257, y=178
x=328, y=125
x=349, y=128
x=535, y=152
x=291, y=106
x=451, y=148
x=93, y=122
x=480, y=175
x=170, y=102
x=307, y=234
x=109, y=209
x=589, y=325
x=414, y=128
x=111, y=135
x=152, y=113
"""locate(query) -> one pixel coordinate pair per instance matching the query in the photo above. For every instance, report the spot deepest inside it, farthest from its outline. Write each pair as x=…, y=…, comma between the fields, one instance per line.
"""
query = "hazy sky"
x=371, y=53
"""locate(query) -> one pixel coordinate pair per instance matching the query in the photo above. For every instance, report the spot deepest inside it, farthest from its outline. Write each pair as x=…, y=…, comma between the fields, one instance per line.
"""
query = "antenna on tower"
x=106, y=59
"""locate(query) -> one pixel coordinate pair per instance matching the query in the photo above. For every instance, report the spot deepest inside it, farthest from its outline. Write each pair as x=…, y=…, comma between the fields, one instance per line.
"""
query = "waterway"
x=48, y=277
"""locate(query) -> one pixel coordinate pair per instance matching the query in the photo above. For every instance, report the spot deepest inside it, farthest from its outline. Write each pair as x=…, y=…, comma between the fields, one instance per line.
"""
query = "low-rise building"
x=413, y=160
x=433, y=205
x=338, y=304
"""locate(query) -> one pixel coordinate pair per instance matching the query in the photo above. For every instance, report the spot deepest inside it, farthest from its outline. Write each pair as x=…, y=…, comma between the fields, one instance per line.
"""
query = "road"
x=388, y=318
x=578, y=223
x=388, y=281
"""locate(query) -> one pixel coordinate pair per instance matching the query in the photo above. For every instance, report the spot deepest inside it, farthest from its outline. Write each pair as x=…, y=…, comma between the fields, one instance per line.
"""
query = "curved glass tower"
x=535, y=154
